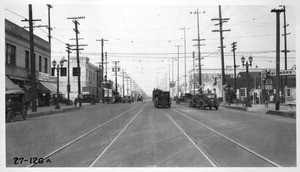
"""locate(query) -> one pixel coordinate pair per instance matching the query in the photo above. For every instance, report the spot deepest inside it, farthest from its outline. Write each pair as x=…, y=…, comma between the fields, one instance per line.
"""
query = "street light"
x=250, y=59
x=61, y=63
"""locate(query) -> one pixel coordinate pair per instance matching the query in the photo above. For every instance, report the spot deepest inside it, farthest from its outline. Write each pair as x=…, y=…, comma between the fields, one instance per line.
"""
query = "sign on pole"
x=283, y=72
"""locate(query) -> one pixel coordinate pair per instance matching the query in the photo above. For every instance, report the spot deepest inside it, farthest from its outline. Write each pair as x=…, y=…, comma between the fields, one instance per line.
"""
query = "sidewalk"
x=284, y=110
x=48, y=110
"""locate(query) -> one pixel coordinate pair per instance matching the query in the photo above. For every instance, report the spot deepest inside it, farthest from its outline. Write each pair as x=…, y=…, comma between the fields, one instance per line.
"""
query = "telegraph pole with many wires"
x=178, y=70
x=116, y=69
x=123, y=87
x=68, y=86
x=102, y=58
x=277, y=11
x=221, y=21
x=49, y=28
x=184, y=28
x=32, y=58
x=194, y=82
x=75, y=21
x=198, y=45
x=234, y=64
x=285, y=51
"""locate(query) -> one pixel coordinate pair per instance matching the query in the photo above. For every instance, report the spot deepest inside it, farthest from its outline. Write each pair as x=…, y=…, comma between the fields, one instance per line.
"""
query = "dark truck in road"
x=161, y=98
x=204, y=100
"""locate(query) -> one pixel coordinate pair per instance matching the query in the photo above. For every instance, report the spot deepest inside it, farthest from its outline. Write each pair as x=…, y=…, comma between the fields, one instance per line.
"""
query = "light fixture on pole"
x=61, y=63
x=250, y=59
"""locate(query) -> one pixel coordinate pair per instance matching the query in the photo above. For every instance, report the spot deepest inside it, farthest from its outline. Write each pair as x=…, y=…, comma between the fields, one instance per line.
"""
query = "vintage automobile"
x=195, y=100
x=87, y=98
x=161, y=98
x=127, y=99
x=208, y=100
x=14, y=104
x=140, y=98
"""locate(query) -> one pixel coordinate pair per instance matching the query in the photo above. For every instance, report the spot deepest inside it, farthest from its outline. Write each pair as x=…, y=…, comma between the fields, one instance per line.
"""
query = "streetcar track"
x=100, y=154
x=82, y=136
x=230, y=140
x=199, y=148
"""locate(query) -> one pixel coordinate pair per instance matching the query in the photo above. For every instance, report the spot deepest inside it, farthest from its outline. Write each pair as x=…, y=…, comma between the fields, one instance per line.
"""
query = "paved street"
x=140, y=135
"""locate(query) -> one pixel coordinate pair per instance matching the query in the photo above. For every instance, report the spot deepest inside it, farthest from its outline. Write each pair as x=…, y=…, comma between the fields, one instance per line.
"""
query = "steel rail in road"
x=200, y=148
x=232, y=141
x=99, y=155
x=82, y=136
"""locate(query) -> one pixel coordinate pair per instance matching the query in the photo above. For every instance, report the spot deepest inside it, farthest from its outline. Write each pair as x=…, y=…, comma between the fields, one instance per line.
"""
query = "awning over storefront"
x=47, y=87
x=9, y=85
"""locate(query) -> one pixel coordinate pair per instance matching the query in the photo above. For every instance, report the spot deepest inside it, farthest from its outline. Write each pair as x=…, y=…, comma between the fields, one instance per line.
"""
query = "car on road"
x=208, y=100
x=14, y=104
x=127, y=99
x=87, y=98
x=161, y=98
x=195, y=100
x=140, y=98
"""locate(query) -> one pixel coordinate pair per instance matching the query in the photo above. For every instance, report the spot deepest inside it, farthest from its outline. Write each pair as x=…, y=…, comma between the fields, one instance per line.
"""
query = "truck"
x=161, y=98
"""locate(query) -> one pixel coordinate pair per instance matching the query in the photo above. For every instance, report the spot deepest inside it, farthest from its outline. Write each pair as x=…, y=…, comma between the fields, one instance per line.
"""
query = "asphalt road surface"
x=140, y=135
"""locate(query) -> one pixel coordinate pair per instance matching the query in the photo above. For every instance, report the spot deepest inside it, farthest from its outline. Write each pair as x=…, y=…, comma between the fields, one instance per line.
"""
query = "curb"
x=236, y=108
x=289, y=114
x=52, y=112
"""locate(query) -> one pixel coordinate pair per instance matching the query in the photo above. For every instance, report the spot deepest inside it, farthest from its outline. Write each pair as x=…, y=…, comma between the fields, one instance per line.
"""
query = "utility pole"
x=68, y=86
x=194, y=71
x=75, y=21
x=184, y=28
x=116, y=69
x=198, y=45
x=49, y=28
x=127, y=84
x=102, y=56
x=234, y=64
x=277, y=11
x=106, y=76
x=123, y=83
x=221, y=20
x=32, y=58
x=285, y=45
x=169, y=79
x=178, y=70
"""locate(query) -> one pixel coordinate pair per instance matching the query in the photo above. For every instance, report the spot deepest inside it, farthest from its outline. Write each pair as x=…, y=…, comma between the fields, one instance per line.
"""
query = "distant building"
x=18, y=62
x=89, y=75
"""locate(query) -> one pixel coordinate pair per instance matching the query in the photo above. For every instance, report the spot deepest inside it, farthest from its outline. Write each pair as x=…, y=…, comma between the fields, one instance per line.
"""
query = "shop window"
x=40, y=63
x=10, y=54
x=75, y=71
x=27, y=59
x=46, y=65
x=63, y=71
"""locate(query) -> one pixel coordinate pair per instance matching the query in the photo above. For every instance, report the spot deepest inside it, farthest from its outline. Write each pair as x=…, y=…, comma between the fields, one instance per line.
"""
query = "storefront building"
x=18, y=62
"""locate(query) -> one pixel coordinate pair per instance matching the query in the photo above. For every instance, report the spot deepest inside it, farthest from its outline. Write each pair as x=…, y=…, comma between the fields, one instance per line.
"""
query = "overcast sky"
x=143, y=37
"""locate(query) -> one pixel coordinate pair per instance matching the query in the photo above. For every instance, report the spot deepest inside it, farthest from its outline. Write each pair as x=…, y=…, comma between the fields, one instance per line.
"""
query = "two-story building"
x=18, y=62
x=89, y=75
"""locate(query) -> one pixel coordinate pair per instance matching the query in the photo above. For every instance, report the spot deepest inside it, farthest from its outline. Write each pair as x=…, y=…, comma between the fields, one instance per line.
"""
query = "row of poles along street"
x=220, y=21
x=220, y=30
x=69, y=47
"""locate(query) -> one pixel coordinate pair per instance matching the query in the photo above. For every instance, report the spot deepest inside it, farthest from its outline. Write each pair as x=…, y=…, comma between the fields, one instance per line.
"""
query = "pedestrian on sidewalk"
x=267, y=101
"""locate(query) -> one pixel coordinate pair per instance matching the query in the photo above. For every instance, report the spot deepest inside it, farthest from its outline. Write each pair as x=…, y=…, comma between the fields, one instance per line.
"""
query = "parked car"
x=208, y=100
x=127, y=99
x=87, y=98
x=140, y=98
x=195, y=100
x=14, y=104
